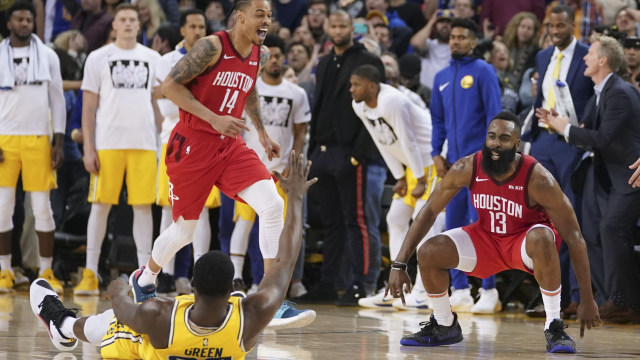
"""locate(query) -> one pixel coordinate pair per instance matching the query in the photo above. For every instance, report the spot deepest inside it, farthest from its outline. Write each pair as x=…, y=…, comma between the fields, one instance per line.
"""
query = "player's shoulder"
x=540, y=178
x=101, y=52
x=152, y=54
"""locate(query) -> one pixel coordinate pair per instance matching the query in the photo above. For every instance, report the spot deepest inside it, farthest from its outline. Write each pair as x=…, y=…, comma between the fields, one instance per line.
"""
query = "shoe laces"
x=430, y=326
x=51, y=309
x=556, y=329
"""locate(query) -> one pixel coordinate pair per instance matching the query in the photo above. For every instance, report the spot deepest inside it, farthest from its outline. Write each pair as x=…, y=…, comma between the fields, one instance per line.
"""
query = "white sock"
x=5, y=263
x=96, y=229
x=551, y=300
x=96, y=327
x=67, y=327
x=45, y=263
x=142, y=232
x=441, y=308
x=238, y=265
x=148, y=277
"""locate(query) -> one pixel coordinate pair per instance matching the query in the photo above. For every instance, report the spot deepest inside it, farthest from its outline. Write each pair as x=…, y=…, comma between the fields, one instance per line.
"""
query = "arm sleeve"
x=437, y=121
x=91, y=79
x=301, y=110
x=407, y=138
x=56, y=95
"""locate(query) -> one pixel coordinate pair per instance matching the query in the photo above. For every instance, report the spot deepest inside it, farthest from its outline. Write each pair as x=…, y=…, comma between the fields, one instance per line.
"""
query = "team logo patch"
x=466, y=82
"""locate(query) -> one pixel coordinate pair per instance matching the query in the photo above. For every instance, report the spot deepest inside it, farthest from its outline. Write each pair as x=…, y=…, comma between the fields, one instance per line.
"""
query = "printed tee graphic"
x=129, y=74
x=275, y=110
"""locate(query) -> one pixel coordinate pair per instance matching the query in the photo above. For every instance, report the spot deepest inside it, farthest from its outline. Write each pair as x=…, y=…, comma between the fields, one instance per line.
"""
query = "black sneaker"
x=47, y=306
x=433, y=334
x=238, y=285
x=557, y=340
x=166, y=284
x=321, y=293
x=351, y=297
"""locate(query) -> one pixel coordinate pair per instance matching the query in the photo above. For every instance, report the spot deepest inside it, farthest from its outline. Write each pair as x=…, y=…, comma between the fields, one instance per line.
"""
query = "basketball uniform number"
x=498, y=222
x=229, y=102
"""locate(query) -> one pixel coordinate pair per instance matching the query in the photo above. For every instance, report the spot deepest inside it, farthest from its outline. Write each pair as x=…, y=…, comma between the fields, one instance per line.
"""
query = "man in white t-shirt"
x=401, y=131
x=120, y=123
x=434, y=53
x=285, y=115
x=30, y=92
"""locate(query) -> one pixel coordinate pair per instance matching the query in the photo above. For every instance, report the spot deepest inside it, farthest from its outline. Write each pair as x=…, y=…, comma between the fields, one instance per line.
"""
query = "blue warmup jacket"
x=464, y=99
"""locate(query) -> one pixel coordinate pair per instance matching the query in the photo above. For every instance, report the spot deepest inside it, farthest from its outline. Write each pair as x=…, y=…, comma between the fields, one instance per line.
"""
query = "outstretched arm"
x=259, y=308
x=545, y=191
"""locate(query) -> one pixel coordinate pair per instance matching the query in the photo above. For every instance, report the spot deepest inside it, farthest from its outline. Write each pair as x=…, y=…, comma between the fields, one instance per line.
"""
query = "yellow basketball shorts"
x=162, y=195
x=432, y=178
x=121, y=342
x=140, y=168
x=30, y=154
x=245, y=212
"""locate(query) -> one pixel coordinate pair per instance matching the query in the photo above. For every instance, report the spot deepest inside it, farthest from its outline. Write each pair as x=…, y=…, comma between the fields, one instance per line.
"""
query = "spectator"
x=166, y=38
x=632, y=55
x=496, y=14
x=290, y=12
x=303, y=35
x=464, y=9
x=509, y=82
x=299, y=58
x=520, y=37
x=626, y=23
x=94, y=22
x=317, y=20
x=435, y=53
x=111, y=5
x=214, y=12
x=58, y=17
x=355, y=8
x=392, y=73
x=410, y=69
x=151, y=17
x=409, y=12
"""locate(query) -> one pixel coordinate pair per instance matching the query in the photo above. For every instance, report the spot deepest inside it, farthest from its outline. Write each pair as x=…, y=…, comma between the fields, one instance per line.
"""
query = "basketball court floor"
x=347, y=333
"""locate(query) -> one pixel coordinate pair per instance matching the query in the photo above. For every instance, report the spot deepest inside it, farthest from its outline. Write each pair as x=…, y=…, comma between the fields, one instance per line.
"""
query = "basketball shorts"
x=198, y=161
x=431, y=176
x=121, y=342
x=137, y=167
x=30, y=154
x=482, y=254
x=162, y=188
x=245, y=212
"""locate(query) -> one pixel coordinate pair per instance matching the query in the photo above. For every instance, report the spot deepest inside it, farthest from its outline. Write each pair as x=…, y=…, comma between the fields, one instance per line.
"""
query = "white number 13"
x=498, y=223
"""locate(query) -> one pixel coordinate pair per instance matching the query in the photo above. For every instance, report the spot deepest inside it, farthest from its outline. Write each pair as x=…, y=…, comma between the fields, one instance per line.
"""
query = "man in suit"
x=612, y=131
x=560, y=62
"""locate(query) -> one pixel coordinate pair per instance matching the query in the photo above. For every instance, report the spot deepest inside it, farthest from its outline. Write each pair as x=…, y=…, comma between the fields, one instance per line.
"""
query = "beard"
x=497, y=167
x=274, y=74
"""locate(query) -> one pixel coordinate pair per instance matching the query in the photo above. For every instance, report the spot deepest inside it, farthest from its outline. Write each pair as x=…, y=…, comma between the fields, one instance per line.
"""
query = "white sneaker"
x=253, y=289
x=46, y=305
x=489, y=302
x=461, y=300
x=377, y=301
x=297, y=290
x=416, y=300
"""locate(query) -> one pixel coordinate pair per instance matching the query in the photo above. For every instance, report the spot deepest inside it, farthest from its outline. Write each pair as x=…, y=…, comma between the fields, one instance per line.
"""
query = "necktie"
x=551, y=98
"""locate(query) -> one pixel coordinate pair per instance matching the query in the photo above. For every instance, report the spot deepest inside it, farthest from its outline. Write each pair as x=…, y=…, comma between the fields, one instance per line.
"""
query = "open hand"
x=116, y=287
x=296, y=183
x=634, y=180
x=271, y=147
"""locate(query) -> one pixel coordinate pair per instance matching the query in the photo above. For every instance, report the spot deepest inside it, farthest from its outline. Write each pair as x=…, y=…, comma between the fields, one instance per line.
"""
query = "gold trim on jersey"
x=172, y=322
x=195, y=333
x=126, y=335
x=241, y=328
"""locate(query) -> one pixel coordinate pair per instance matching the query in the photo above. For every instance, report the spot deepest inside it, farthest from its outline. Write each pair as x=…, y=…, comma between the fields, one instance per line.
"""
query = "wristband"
x=400, y=266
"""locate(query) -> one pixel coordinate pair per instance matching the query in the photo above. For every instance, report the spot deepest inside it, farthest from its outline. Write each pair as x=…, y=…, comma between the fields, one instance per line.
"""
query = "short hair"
x=383, y=26
x=368, y=72
x=170, y=33
x=272, y=40
x=559, y=9
x=21, y=5
x=213, y=274
x=612, y=50
x=507, y=115
x=300, y=43
x=318, y=2
x=240, y=5
x=126, y=6
x=344, y=14
x=186, y=13
x=465, y=23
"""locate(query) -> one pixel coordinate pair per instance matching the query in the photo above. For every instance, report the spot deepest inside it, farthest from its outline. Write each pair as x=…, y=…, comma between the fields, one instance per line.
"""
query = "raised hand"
x=296, y=183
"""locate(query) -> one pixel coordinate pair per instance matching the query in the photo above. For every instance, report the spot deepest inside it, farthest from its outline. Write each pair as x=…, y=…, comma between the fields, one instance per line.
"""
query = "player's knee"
x=42, y=213
x=273, y=211
x=6, y=214
x=540, y=239
x=186, y=230
x=438, y=251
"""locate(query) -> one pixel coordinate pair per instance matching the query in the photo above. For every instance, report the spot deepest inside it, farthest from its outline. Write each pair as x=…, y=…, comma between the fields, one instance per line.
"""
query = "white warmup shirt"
x=400, y=129
x=170, y=111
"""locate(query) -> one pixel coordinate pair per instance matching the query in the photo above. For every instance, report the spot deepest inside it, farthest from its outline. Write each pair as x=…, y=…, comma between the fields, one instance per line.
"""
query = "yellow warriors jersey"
x=223, y=343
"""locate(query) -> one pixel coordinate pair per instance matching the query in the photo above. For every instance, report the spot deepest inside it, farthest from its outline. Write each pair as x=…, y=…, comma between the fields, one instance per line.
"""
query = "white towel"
x=38, y=63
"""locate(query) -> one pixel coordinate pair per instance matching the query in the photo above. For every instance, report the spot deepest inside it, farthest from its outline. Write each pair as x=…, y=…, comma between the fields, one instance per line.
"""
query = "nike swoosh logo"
x=441, y=87
x=228, y=57
x=479, y=180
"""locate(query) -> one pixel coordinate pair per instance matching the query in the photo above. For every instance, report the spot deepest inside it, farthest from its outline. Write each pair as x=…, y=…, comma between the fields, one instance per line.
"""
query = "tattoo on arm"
x=265, y=55
x=195, y=62
x=252, y=108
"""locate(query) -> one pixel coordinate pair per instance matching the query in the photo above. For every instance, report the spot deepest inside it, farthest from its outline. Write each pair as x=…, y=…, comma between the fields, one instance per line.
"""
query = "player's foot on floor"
x=141, y=293
x=557, y=339
x=47, y=306
x=6, y=282
x=377, y=301
x=416, y=300
x=461, y=300
x=297, y=289
x=288, y=317
x=166, y=285
x=88, y=285
x=433, y=334
x=53, y=281
x=489, y=302
x=353, y=295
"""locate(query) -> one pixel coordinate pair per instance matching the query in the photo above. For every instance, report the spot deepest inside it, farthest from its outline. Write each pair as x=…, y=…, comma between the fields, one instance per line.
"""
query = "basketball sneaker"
x=51, y=279
x=377, y=301
x=288, y=317
x=141, y=293
x=461, y=300
x=557, y=339
x=166, y=285
x=6, y=282
x=88, y=285
x=433, y=334
x=489, y=302
x=296, y=290
x=47, y=306
x=416, y=300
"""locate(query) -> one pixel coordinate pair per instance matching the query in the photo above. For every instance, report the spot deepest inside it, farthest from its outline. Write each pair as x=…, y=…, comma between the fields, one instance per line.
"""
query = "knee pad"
x=42, y=211
x=172, y=240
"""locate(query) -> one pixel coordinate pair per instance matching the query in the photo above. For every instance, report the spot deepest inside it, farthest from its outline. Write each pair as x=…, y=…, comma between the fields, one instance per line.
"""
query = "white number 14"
x=229, y=102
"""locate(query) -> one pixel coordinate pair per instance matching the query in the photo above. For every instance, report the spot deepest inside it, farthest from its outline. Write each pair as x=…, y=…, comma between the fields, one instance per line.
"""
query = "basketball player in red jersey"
x=213, y=84
x=519, y=206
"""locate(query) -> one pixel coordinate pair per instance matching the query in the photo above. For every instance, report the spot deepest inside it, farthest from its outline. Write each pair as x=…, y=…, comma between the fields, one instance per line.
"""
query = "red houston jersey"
x=503, y=206
x=225, y=86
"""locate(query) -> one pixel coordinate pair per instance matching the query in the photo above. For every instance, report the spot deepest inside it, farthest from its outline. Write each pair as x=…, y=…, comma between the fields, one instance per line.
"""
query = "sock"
x=5, y=263
x=97, y=326
x=45, y=263
x=238, y=265
x=67, y=327
x=441, y=308
x=148, y=277
x=551, y=300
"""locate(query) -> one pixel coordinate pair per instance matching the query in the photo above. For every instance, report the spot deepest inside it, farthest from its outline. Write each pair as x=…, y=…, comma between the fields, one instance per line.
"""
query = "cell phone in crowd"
x=360, y=29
